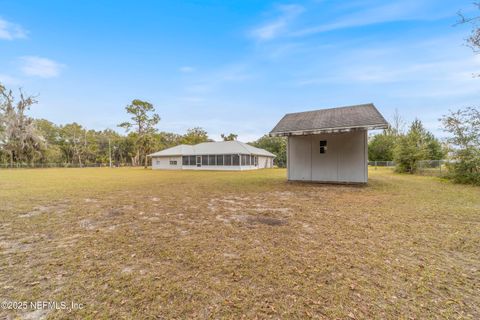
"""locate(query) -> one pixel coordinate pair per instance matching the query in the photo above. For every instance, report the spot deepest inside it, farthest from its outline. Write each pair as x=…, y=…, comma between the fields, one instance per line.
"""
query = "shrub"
x=418, y=144
x=464, y=127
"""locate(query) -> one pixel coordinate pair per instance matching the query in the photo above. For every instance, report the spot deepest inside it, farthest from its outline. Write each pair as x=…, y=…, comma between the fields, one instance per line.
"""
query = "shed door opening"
x=199, y=161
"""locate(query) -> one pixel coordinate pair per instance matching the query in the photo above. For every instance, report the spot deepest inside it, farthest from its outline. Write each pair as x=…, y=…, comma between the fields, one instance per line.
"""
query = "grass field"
x=135, y=243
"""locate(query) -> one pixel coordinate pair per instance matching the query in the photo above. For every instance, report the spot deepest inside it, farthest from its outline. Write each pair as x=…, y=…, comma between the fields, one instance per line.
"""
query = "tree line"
x=405, y=148
x=408, y=148
x=29, y=141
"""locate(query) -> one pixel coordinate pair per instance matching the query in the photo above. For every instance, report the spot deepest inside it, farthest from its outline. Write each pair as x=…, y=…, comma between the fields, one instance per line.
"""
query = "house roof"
x=341, y=119
x=221, y=147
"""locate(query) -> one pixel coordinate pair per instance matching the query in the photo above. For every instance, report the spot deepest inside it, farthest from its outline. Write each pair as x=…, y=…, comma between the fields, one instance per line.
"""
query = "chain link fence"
x=424, y=167
x=433, y=167
x=58, y=165
x=381, y=163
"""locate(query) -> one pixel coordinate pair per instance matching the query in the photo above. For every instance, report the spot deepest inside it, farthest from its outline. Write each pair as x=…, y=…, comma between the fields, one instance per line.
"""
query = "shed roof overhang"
x=327, y=130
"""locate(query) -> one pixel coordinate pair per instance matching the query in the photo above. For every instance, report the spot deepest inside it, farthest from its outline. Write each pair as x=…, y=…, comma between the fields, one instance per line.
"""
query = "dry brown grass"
x=134, y=243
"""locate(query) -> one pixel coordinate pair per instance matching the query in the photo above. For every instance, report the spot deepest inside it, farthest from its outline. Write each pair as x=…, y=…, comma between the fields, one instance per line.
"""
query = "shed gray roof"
x=358, y=117
x=221, y=147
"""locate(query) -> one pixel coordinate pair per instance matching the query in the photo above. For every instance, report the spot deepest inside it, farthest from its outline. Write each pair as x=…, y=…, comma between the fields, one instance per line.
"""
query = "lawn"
x=135, y=243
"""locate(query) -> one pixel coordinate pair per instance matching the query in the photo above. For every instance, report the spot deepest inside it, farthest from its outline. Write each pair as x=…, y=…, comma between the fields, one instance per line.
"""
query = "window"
x=204, y=160
x=192, y=161
x=235, y=159
x=173, y=162
x=219, y=160
x=228, y=160
x=255, y=159
x=323, y=146
x=249, y=160
x=211, y=160
x=244, y=160
x=184, y=161
x=157, y=162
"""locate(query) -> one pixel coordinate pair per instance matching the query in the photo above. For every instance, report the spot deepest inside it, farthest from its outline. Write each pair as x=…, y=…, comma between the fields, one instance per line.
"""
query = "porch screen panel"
x=228, y=160
x=235, y=160
x=211, y=160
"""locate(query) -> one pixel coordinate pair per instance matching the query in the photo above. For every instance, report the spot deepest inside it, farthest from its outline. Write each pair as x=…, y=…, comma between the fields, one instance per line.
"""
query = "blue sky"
x=236, y=66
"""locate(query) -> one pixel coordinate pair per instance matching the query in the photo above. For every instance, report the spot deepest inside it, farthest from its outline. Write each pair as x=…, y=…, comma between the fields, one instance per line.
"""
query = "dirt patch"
x=266, y=220
x=58, y=208
x=11, y=246
x=87, y=224
x=35, y=315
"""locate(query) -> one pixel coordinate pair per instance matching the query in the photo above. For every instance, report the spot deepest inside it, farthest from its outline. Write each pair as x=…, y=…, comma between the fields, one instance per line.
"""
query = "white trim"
x=326, y=130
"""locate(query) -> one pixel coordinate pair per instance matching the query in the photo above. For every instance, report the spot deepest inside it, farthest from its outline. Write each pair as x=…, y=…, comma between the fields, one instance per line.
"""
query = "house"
x=329, y=145
x=223, y=155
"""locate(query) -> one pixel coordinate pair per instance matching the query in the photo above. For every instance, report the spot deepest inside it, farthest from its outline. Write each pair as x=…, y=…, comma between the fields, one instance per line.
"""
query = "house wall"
x=164, y=163
x=219, y=168
x=265, y=162
x=344, y=161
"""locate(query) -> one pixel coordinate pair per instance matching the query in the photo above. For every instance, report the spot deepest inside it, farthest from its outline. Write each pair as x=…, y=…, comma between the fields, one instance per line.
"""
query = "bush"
x=418, y=144
x=464, y=126
x=381, y=147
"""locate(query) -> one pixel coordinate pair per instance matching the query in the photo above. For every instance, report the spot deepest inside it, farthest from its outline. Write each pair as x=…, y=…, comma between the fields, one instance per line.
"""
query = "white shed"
x=223, y=155
x=329, y=145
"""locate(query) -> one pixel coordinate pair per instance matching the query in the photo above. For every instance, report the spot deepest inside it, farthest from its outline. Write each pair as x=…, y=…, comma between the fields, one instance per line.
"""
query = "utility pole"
x=109, y=152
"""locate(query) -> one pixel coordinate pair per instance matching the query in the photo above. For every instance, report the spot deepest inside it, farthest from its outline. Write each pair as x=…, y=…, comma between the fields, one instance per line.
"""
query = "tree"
x=473, y=40
x=381, y=147
x=276, y=145
x=164, y=140
x=143, y=120
x=19, y=138
x=195, y=136
x=464, y=127
x=51, y=134
x=418, y=144
x=72, y=143
x=230, y=137
x=397, y=126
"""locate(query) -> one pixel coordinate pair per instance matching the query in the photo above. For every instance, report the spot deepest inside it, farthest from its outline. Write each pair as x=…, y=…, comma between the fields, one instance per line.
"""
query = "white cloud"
x=393, y=11
x=10, y=31
x=352, y=15
x=40, y=67
x=187, y=69
x=279, y=25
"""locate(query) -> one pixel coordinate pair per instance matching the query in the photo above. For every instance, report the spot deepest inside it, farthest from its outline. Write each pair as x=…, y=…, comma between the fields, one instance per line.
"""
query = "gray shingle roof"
x=364, y=116
x=220, y=147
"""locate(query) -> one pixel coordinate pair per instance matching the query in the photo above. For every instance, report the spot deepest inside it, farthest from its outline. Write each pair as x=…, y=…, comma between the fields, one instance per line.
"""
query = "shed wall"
x=345, y=159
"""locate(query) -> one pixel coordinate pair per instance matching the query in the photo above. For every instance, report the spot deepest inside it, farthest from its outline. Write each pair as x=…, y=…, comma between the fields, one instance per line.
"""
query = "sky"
x=237, y=66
